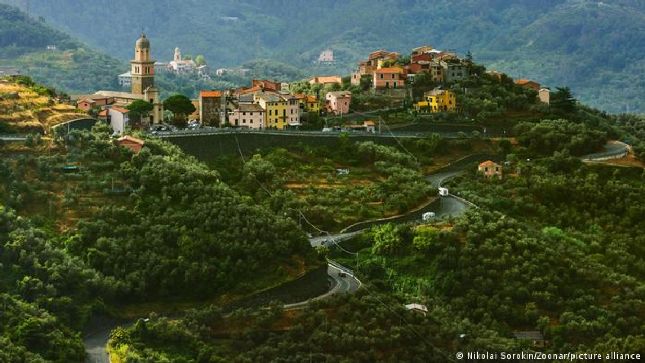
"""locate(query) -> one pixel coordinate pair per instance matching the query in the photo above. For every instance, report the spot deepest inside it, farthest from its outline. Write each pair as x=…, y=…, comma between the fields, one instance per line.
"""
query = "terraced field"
x=24, y=110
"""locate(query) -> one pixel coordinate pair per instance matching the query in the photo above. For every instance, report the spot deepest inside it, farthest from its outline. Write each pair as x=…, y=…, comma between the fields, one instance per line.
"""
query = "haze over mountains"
x=597, y=48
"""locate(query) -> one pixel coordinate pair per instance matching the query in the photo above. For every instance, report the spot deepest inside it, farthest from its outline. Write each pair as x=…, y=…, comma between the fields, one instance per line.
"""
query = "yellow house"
x=275, y=109
x=438, y=101
x=308, y=103
x=312, y=104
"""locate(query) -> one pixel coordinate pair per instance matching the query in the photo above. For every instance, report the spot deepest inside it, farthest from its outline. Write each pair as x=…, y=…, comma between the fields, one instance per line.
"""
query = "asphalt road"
x=331, y=239
x=344, y=280
x=613, y=149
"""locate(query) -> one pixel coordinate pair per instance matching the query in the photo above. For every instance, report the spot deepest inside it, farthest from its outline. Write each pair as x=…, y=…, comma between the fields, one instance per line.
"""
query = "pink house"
x=338, y=102
x=391, y=77
x=247, y=116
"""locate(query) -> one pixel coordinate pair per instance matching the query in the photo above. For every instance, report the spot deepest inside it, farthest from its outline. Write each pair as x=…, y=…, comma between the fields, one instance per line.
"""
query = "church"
x=142, y=71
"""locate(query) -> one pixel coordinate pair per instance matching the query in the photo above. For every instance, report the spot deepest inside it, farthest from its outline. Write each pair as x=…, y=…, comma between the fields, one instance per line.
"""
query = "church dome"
x=143, y=42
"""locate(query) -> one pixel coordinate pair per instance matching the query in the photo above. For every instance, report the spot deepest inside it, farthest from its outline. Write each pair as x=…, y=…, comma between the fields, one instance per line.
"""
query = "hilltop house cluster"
x=265, y=104
x=112, y=105
x=179, y=65
x=268, y=104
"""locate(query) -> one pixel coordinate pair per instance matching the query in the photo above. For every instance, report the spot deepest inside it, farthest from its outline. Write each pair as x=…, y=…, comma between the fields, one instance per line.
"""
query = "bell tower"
x=142, y=67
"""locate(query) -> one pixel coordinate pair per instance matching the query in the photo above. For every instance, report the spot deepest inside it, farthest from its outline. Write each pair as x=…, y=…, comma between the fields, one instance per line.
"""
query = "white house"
x=443, y=192
x=125, y=79
x=418, y=308
x=119, y=119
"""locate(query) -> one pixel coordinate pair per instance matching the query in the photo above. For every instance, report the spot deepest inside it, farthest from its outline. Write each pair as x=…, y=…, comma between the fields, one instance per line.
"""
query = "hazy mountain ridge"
x=595, y=47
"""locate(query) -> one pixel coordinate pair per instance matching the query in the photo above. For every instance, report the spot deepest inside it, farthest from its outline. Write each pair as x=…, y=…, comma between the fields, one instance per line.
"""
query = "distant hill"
x=594, y=47
x=51, y=56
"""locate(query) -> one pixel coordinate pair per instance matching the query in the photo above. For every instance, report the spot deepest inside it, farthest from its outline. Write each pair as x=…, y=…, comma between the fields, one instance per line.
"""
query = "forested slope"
x=592, y=46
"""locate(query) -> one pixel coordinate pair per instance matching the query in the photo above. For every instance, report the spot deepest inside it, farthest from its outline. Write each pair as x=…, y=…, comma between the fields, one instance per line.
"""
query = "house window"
x=381, y=76
x=393, y=76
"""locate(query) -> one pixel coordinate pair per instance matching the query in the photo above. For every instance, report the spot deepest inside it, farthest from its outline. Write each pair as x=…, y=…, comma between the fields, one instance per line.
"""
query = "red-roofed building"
x=391, y=77
x=131, y=143
x=266, y=85
x=211, y=105
x=527, y=83
x=490, y=169
x=325, y=80
x=86, y=104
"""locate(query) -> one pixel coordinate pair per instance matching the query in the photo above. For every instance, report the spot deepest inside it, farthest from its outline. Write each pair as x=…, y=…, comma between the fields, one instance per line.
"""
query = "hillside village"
x=423, y=82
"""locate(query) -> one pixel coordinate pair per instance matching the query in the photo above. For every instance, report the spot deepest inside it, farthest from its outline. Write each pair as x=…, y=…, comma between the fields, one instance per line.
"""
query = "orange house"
x=131, y=143
x=86, y=104
x=490, y=169
x=527, y=83
x=391, y=77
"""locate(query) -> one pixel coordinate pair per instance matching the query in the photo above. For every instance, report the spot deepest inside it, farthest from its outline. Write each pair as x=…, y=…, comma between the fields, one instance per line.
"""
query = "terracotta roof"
x=119, y=109
x=523, y=81
x=369, y=123
x=103, y=113
x=243, y=91
x=210, y=94
x=131, y=139
x=389, y=70
x=489, y=163
x=86, y=100
x=326, y=79
x=312, y=98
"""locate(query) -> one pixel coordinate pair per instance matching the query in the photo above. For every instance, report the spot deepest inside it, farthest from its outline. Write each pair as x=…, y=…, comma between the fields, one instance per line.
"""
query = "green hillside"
x=594, y=47
x=71, y=66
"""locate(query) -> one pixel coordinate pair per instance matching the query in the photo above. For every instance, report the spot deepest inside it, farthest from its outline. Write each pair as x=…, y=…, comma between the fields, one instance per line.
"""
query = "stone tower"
x=143, y=68
x=177, y=57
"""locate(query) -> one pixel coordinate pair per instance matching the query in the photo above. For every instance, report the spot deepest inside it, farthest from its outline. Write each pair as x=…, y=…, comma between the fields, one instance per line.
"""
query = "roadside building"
x=338, y=102
x=437, y=101
x=247, y=115
x=131, y=143
x=118, y=118
x=370, y=126
x=275, y=109
x=307, y=103
x=490, y=169
x=292, y=115
x=211, y=105
x=391, y=77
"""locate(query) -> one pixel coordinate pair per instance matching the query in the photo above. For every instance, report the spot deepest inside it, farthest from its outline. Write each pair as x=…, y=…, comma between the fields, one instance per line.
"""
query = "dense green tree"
x=139, y=109
x=180, y=106
x=562, y=100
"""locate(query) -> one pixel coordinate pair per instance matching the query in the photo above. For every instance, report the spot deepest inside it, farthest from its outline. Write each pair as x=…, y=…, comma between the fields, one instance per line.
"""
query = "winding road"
x=344, y=280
